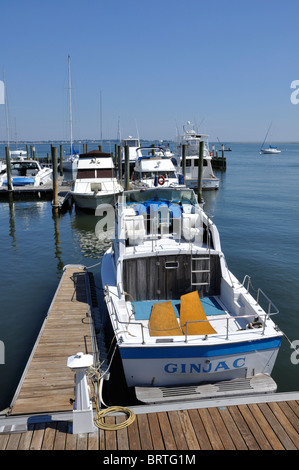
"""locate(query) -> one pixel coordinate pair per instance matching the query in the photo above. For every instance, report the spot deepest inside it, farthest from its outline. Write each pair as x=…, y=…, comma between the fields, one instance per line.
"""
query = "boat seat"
x=135, y=229
x=163, y=321
x=192, y=311
x=192, y=228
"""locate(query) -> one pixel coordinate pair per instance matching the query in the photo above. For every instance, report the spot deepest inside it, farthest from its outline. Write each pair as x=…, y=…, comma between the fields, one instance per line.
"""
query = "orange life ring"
x=161, y=180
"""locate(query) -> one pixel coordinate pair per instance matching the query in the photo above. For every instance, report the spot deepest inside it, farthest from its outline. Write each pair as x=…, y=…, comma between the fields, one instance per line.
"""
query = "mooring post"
x=55, y=178
x=8, y=169
x=127, y=168
x=184, y=162
x=120, y=176
x=200, y=165
x=61, y=160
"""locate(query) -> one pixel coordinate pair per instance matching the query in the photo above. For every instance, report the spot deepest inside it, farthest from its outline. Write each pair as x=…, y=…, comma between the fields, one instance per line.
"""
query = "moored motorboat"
x=96, y=182
x=191, y=139
x=179, y=316
x=25, y=172
x=134, y=151
x=154, y=169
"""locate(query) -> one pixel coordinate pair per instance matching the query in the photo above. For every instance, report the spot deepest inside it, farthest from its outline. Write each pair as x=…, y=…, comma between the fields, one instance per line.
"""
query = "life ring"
x=161, y=180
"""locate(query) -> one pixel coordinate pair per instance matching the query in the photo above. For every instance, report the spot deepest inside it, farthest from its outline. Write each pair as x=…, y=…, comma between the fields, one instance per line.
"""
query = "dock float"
x=41, y=413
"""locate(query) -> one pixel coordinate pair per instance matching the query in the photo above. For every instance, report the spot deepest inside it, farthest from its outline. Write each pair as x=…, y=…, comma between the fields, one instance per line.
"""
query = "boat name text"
x=206, y=368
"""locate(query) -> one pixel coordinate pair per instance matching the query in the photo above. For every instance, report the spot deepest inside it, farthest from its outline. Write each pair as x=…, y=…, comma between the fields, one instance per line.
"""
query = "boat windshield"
x=162, y=194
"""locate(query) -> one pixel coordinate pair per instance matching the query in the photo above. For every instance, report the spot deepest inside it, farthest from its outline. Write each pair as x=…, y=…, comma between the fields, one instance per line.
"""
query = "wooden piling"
x=127, y=168
x=184, y=162
x=61, y=161
x=55, y=178
x=200, y=165
x=120, y=176
x=8, y=169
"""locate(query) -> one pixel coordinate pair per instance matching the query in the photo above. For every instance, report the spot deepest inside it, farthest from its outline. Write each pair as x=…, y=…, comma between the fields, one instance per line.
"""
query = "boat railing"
x=260, y=296
x=121, y=322
x=251, y=325
x=254, y=324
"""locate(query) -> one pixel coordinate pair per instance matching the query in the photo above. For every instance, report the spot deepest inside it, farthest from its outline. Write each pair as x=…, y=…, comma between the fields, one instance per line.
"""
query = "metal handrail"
x=258, y=292
x=228, y=319
x=126, y=323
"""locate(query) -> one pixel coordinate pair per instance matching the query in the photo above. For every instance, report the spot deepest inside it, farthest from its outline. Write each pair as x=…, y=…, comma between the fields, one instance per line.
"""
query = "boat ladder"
x=201, y=267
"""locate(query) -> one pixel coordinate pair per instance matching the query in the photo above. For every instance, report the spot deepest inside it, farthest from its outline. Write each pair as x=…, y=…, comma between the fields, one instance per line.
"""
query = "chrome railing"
x=255, y=325
x=259, y=293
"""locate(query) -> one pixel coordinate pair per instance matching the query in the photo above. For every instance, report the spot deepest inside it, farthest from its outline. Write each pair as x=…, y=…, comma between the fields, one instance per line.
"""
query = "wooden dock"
x=41, y=412
x=47, y=384
x=271, y=425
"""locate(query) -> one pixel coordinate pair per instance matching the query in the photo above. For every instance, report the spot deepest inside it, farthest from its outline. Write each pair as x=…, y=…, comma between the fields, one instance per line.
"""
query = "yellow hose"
x=100, y=423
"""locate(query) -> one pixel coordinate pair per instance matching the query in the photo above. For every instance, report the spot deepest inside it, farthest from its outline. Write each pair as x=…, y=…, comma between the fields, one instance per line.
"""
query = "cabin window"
x=94, y=173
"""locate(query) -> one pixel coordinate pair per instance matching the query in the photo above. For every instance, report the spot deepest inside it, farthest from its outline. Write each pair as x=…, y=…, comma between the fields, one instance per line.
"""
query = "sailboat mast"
x=266, y=135
x=70, y=103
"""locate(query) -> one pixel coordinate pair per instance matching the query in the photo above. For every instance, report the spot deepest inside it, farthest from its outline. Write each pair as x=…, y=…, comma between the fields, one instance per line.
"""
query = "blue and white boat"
x=26, y=172
x=180, y=317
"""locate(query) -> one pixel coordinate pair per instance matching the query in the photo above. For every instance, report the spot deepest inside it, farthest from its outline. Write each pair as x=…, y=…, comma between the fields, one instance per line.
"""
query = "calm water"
x=255, y=209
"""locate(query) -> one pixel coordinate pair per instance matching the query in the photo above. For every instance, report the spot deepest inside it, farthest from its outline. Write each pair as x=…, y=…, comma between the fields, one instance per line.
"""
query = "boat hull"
x=186, y=365
x=91, y=201
x=206, y=183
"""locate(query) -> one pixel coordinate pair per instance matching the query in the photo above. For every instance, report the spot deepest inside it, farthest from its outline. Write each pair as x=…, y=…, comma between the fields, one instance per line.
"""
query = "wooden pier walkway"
x=42, y=400
x=47, y=384
x=256, y=426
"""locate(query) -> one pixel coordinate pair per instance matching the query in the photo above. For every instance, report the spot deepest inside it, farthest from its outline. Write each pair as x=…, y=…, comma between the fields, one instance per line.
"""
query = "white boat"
x=191, y=138
x=179, y=316
x=270, y=149
x=25, y=172
x=96, y=182
x=70, y=161
x=134, y=149
x=154, y=169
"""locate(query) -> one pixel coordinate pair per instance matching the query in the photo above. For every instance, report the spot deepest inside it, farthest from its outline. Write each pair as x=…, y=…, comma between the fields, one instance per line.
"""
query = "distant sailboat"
x=270, y=148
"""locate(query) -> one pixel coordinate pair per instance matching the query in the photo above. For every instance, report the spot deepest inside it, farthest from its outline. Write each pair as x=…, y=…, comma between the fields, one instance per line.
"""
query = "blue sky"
x=225, y=64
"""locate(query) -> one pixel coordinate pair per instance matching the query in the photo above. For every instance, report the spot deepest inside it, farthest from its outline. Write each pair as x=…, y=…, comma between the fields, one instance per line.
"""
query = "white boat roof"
x=154, y=163
x=92, y=163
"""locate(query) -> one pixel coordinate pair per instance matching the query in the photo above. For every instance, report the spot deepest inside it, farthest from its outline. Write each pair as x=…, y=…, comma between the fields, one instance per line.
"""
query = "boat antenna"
x=70, y=104
x=101, y=118
x=118, y=131
x=137, y=129
x=6, y=109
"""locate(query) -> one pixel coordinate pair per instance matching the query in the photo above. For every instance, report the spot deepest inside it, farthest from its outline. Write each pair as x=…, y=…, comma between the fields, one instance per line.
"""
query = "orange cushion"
x=163, y=321
x=192, y=311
